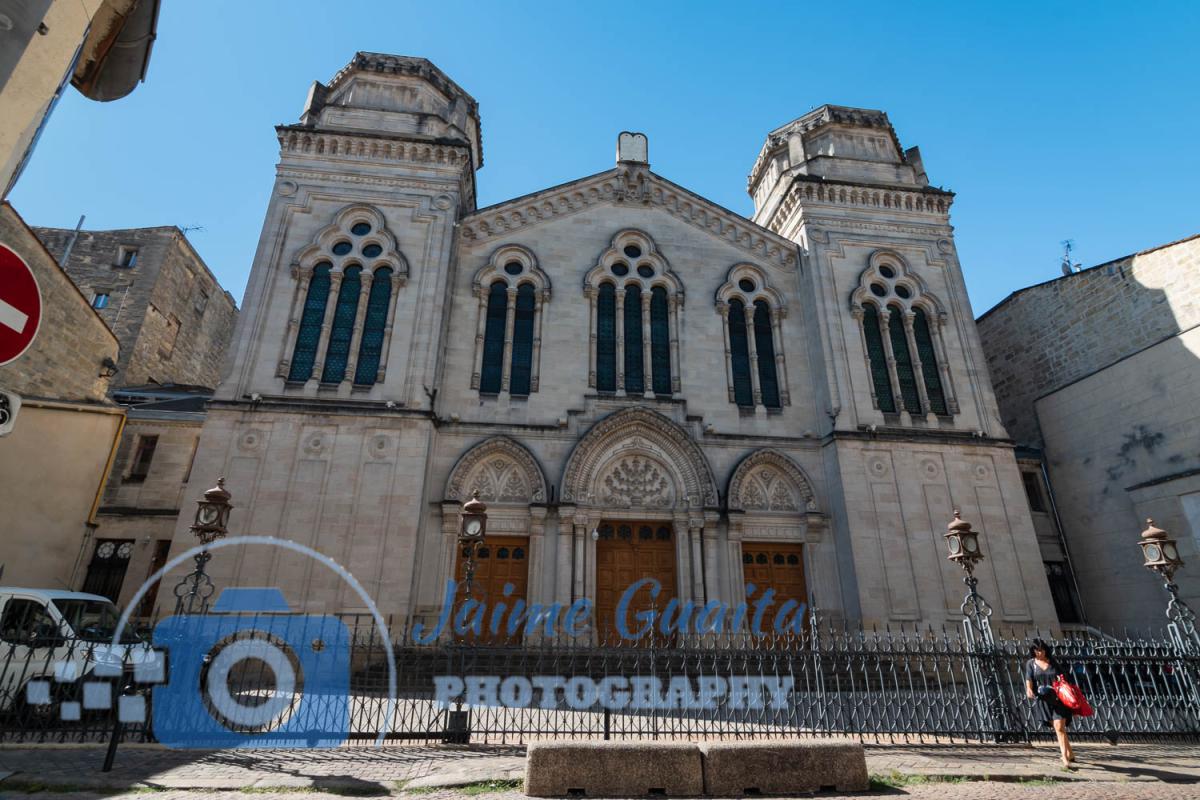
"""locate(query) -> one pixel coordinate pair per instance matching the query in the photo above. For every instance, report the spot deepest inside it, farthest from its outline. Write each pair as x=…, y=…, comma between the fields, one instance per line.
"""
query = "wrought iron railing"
x=894, y=684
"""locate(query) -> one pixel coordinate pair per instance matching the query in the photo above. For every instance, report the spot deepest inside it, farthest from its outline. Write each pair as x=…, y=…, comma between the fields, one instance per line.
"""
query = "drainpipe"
x=1062, y=536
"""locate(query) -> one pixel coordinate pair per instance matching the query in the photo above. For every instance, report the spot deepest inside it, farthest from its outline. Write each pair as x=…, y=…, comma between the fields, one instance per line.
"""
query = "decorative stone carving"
x=636, y=482
x=502, y=470
x=639, y=432
x=767, y=480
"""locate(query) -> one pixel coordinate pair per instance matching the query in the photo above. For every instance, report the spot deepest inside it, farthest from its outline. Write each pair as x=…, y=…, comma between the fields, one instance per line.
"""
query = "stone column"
x=580, y=583
x=674, y=307
x=857, y=314
x=939, y=343
x=590, y=294
x=753, y=348
x=886, y=335
x=335, y=288
x=723, y=310
x=298, y=301
x=447, y=560
x=695, y=532
x=647, y=362
x=365, y=280
x=683, y=559
x=736, y=581
x=537, y=538
x=534, y=372
x=915, y=354
x=510, y=313
x=620, y=343
x=566, y=556
x=785, y=394
x=480, y=327
x=398, y=281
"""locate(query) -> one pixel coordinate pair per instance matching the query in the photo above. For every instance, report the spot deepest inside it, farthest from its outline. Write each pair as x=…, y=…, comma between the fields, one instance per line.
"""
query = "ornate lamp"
x=472, y=527
x=1161, y=556
x=212, y=514
x=963, y=544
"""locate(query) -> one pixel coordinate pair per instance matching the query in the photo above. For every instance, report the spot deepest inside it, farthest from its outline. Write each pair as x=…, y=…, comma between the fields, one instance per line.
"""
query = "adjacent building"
x=639, y=382
x=1097, y=371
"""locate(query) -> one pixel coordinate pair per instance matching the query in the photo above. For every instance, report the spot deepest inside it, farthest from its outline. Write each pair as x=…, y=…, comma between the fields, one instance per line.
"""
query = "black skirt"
x=1047, y=708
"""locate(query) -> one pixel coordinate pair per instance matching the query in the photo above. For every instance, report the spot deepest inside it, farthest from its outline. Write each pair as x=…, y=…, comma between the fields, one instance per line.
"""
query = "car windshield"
x=94, y=620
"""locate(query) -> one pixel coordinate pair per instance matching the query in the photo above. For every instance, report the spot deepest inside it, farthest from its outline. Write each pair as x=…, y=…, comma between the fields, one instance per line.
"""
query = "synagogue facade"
x=637, y=381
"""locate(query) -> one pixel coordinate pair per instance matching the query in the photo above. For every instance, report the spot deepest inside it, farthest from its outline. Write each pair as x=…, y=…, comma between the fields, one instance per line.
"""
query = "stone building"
x=1098, y=371
x=49, y=501
x=155, y=292
x=639, y=382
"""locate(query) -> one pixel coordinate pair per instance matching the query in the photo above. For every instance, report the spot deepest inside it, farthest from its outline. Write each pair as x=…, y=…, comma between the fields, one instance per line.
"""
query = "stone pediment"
x=632, y=184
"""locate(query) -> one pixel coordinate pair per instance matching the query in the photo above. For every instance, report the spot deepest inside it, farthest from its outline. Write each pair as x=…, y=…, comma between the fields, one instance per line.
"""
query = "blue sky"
x=1050, y=120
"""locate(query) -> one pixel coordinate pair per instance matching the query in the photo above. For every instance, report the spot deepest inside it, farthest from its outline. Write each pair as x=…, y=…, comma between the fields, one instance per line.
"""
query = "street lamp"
x=210, y=523
x=1161, y=556
x=962, y=544
x=472, y=527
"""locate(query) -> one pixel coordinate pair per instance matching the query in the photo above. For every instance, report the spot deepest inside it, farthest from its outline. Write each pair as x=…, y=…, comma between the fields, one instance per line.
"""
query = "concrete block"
x=613, y=769
x=735, y=769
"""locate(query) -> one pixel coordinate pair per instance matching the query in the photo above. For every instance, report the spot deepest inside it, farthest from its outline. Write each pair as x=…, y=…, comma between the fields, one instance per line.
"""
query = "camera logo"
x=250, y=673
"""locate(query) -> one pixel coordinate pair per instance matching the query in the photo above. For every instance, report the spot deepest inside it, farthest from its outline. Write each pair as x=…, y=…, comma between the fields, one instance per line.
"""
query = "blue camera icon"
x=252, y=674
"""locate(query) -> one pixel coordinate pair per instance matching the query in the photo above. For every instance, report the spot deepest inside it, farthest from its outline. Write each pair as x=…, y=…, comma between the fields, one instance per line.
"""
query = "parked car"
x=65, y=638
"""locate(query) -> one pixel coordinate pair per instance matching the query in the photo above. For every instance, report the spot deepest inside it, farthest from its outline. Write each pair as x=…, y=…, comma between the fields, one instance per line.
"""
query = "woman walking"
x=1041, y=670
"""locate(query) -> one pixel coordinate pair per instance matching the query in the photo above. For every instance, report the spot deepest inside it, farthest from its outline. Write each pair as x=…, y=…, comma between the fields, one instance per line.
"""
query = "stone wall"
x=1044, y=337
x=172, y=317
x=64, y=361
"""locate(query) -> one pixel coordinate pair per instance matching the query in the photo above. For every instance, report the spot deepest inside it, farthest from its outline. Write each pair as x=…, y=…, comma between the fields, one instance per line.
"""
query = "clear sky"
x=1050, y=120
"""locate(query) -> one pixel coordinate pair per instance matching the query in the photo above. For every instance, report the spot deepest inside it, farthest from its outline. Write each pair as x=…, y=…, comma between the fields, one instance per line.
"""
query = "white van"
x=63, y=637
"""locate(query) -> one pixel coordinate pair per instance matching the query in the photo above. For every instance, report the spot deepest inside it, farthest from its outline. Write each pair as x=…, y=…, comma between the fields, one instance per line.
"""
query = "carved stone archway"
x=767, y=480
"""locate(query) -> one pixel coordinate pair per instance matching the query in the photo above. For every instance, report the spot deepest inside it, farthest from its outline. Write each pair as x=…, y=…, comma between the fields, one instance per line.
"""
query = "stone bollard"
x=736, y=769
x=613, y=769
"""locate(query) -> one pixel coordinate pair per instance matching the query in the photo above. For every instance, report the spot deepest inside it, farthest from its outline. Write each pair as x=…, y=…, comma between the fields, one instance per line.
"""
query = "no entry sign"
x=20, y=305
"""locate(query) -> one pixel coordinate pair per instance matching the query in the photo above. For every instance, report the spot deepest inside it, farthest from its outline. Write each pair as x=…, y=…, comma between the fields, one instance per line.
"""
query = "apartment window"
x=100, y=300
x=127, y=256
x=1033, y=490
x=142, y=457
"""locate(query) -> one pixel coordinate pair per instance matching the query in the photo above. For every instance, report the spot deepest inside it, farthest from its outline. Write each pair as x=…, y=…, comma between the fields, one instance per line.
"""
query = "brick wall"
x=173, y=319
x=1046, y=336
x=64, y=361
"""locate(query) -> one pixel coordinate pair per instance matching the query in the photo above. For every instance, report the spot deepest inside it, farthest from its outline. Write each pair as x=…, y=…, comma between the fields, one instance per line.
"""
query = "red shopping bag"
x=1072, y=697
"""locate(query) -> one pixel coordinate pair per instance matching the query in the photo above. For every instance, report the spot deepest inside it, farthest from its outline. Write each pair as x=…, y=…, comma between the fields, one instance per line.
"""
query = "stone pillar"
x=620, y=296
x=918, y=374
x=590, y=294
x=674, y=306
x=398, y=281
x=534, y=372
x=480, y=327
x=695, y=533
x=857, y=314
x=939, y=343
x=785, y=394
x=683, y=559
x=365, y=280
x=510, y=313
x=753, y=348
x=723, y=310
x=579, y=585
x=537, y=550
x=335, y=288
x=447, y=560
x=647, y=361
x=566, y=557
x=289, y=342
x=885, y=333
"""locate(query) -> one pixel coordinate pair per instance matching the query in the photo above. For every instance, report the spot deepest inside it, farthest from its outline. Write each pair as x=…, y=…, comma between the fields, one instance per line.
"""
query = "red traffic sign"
x=20, y=306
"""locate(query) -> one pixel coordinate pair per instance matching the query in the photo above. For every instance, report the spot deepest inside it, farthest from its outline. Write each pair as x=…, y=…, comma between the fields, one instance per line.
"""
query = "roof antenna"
x=1067, y=267
x=186, y=229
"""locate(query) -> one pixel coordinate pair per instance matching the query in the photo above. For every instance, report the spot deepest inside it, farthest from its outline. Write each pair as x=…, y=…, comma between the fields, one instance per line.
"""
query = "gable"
x=634, y=185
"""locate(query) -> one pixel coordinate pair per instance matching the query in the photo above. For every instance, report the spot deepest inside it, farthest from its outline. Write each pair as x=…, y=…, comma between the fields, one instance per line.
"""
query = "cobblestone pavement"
x=1127, y=770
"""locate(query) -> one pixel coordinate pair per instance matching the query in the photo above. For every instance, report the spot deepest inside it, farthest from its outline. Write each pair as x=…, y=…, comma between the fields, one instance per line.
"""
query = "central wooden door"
x=778, y=566
x=498, y=560
x=627, y=552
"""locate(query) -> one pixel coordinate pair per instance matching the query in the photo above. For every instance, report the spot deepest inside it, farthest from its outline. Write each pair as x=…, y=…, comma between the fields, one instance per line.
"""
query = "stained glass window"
x=929, y=365
x=342, y=330
x=374, y=322
x=634, y=383
x=764, y=343
x=493, y=339
x=606, y=338
x=905, y=373
x=660, y=341
x=311, y=318
x=878, y=359
x=743, y=393
x=522, y=351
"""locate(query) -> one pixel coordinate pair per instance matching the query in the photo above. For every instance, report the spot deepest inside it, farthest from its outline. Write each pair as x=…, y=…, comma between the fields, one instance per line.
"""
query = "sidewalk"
x=368, y=770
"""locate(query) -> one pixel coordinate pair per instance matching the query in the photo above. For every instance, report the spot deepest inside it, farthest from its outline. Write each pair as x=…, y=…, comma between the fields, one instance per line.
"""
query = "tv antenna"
x=1067, y=267
x=186, y=229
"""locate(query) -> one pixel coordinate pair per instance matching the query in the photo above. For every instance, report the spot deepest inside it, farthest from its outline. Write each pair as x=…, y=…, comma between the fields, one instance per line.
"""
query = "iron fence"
x=893, y=684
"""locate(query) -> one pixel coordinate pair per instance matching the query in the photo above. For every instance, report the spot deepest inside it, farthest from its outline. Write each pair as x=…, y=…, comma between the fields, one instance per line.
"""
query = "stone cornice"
x=630, y=183
x=301, y=140
x=817, y=192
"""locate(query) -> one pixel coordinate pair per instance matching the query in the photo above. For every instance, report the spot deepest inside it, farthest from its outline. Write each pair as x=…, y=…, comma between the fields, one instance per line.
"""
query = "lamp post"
x=1161, y=556
x=472, y=527
x=963, y=548
x=211, y=523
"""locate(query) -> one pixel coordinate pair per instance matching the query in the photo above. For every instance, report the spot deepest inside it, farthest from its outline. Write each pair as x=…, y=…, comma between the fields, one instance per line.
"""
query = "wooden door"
x=498, y=560
x=779, y=566
x=627, y=552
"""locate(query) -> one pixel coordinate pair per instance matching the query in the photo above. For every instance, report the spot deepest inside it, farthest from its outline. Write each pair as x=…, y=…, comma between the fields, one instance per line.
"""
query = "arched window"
x=878, y=360
x=493, y=339
x=768, y=382
x=904, y=364
x=660, y=341
x=907, y=363
x=342, y=330
x=634, y=379
x=606, y=338
x=646, y=358
x=929, y=370
x=313, y=317
x=374, y=325
x=739, y=353
x=522, y=351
